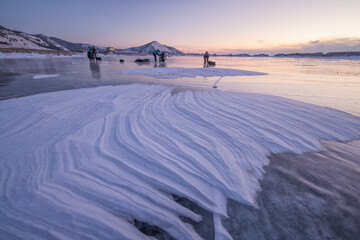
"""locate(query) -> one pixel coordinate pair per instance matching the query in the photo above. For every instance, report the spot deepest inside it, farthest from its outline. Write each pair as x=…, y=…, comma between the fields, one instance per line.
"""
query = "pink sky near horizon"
x=228, y=26
x=322, y=45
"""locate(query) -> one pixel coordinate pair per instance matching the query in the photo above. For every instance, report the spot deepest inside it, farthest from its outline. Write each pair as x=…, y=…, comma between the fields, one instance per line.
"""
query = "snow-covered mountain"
x=150, y=47
x=17, y=39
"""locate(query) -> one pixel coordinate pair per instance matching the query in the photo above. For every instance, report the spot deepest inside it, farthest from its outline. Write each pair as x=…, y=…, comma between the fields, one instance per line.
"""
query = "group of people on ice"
x=162, y=55
x=92, y=55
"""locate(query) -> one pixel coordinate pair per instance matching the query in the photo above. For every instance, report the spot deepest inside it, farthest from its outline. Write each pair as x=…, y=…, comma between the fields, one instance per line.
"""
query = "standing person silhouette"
x=206, y=58
x=93, y=50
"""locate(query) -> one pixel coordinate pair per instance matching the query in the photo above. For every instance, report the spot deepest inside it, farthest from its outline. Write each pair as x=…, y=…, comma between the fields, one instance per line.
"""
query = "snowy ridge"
x=51, y=42
x=179, y=72
x=73, y=46
x=10, y=38
x=84, y=163
x=16, y=39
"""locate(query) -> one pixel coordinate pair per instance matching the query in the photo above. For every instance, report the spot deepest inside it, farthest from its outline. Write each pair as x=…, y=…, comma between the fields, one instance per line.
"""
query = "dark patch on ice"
x=152, y=230
x=7, y=77
x=308, y=196
x=205, y=228
x=8, y=74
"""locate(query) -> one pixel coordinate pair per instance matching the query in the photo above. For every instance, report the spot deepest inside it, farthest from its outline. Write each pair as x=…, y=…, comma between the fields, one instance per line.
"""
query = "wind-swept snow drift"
x=85, y=163
x=179, y=72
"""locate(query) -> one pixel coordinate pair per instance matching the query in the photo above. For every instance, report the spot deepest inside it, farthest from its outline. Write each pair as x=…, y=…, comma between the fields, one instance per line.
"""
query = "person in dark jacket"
x=93, y=50
x=206, y=58
x=90, y=54
x=156, y=52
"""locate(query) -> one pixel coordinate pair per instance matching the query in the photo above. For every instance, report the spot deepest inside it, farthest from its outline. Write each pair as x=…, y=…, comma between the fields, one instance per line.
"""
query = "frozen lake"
x=332, y=83
x=113, y=160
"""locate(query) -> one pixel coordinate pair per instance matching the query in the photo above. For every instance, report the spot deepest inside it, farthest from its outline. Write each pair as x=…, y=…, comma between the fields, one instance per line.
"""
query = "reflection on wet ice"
x=95, y=69
x=160, y=64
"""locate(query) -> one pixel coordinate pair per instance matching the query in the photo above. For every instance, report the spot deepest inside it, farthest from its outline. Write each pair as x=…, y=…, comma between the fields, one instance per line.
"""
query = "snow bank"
x=178, y=72
x=84, y=163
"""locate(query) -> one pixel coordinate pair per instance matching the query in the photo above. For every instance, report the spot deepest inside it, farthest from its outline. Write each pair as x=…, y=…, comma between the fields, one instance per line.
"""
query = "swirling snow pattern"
x=84, y=163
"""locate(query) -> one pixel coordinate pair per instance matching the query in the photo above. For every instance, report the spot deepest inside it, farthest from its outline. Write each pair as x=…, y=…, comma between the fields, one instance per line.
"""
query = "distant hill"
x=150, y=47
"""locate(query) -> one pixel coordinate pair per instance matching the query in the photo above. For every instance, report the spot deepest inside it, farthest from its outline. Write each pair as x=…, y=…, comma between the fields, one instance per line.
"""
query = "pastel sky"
x=221, y=26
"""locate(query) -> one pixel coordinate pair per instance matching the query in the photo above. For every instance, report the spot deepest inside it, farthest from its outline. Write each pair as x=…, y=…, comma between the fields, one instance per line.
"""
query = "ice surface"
x=19, y=55
x=84, y=163
x=307, y=196
x=179, y=72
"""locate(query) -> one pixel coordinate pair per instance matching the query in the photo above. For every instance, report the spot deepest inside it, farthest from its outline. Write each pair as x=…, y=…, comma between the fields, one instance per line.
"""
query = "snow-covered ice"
x=84, y=163
x=179, y=72
x=45, y=76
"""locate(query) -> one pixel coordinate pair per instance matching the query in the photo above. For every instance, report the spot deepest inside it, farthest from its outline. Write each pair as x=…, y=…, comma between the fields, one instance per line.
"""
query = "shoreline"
x=47, y=52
